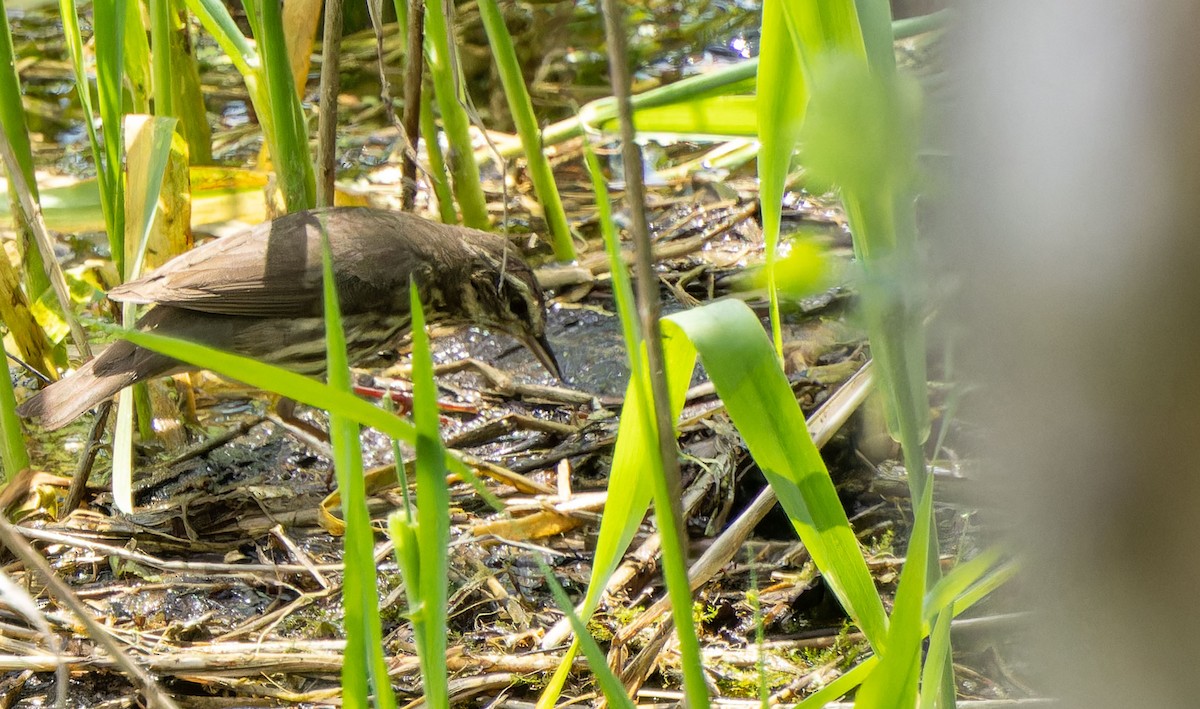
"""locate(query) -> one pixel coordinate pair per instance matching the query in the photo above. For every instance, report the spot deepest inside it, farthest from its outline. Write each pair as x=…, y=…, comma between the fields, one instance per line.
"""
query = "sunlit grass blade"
x=742, y=365
x=149, y=139
x=976, y=580
x=707, y=118
x=733, y=78
x=841, y=686
x=825, y=27
x=629, y=494
x=146, y=162
x=364, y=670
x=629, y=488
x=610, y=684
x=521, y=108
x=957, y=581
x=782, y=95
x=936, y=661
x=428, y=605
x=894, y=682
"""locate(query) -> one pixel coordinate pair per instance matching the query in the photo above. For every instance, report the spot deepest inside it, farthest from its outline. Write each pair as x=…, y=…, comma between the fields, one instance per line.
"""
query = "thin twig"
x=12, y=540
x=414, y=71
x=83, y=470
x=331, y=49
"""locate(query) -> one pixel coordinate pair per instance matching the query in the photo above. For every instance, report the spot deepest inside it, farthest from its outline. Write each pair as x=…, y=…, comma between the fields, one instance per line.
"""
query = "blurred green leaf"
x=862, y=129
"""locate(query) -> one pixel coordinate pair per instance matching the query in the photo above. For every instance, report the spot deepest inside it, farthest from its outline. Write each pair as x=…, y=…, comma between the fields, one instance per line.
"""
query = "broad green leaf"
x=741, y=363
x=146, y=160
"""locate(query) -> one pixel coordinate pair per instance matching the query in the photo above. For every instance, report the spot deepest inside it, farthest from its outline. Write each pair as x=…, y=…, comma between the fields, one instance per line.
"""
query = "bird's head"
x=503, y=294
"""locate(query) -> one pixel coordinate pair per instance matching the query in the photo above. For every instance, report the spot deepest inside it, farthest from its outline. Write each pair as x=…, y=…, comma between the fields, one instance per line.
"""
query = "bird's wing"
x=257, y=272
x=274, y=269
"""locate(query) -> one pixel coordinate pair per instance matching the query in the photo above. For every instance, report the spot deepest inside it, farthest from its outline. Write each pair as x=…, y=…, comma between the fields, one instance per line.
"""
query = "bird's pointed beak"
x=540, y=347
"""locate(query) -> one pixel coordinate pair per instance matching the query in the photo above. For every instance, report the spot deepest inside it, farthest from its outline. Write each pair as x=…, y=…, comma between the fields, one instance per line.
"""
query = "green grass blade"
x=13, y=455
x=782, y=100
x=521, y=108
x=287, y=136
x=707, y=118
x=862, y=135
x=725, y=80
x=438, y=175
x=840, y=686
x=269, y=82
x=936, y=661
x=627, y=503
x=364, y=662
x=629, y=486
x=217, y=21
x=610, y=684
x=894, y=682
x=957, y=581
x=160, y=57
x=137, y=60
x=109, y=40
x=146, y=163
x=977, y=581
x=875, y=18
x=433, y=517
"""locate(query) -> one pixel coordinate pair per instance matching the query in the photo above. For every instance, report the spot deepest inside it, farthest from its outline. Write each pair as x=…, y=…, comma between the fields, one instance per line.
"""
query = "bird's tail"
x=119, y=366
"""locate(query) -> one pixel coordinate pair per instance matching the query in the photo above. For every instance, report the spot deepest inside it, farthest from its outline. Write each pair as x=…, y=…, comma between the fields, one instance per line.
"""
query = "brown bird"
x=259, y=294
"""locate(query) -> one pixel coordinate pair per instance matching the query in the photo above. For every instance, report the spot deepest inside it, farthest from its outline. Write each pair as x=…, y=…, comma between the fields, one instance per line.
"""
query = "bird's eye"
x=518, y=307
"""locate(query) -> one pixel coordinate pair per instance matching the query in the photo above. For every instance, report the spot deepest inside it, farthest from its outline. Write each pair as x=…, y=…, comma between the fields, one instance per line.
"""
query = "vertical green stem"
x=521, y=107
x=448, y=89
x=12, y=445
x=437, y=162
x=160, y=57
